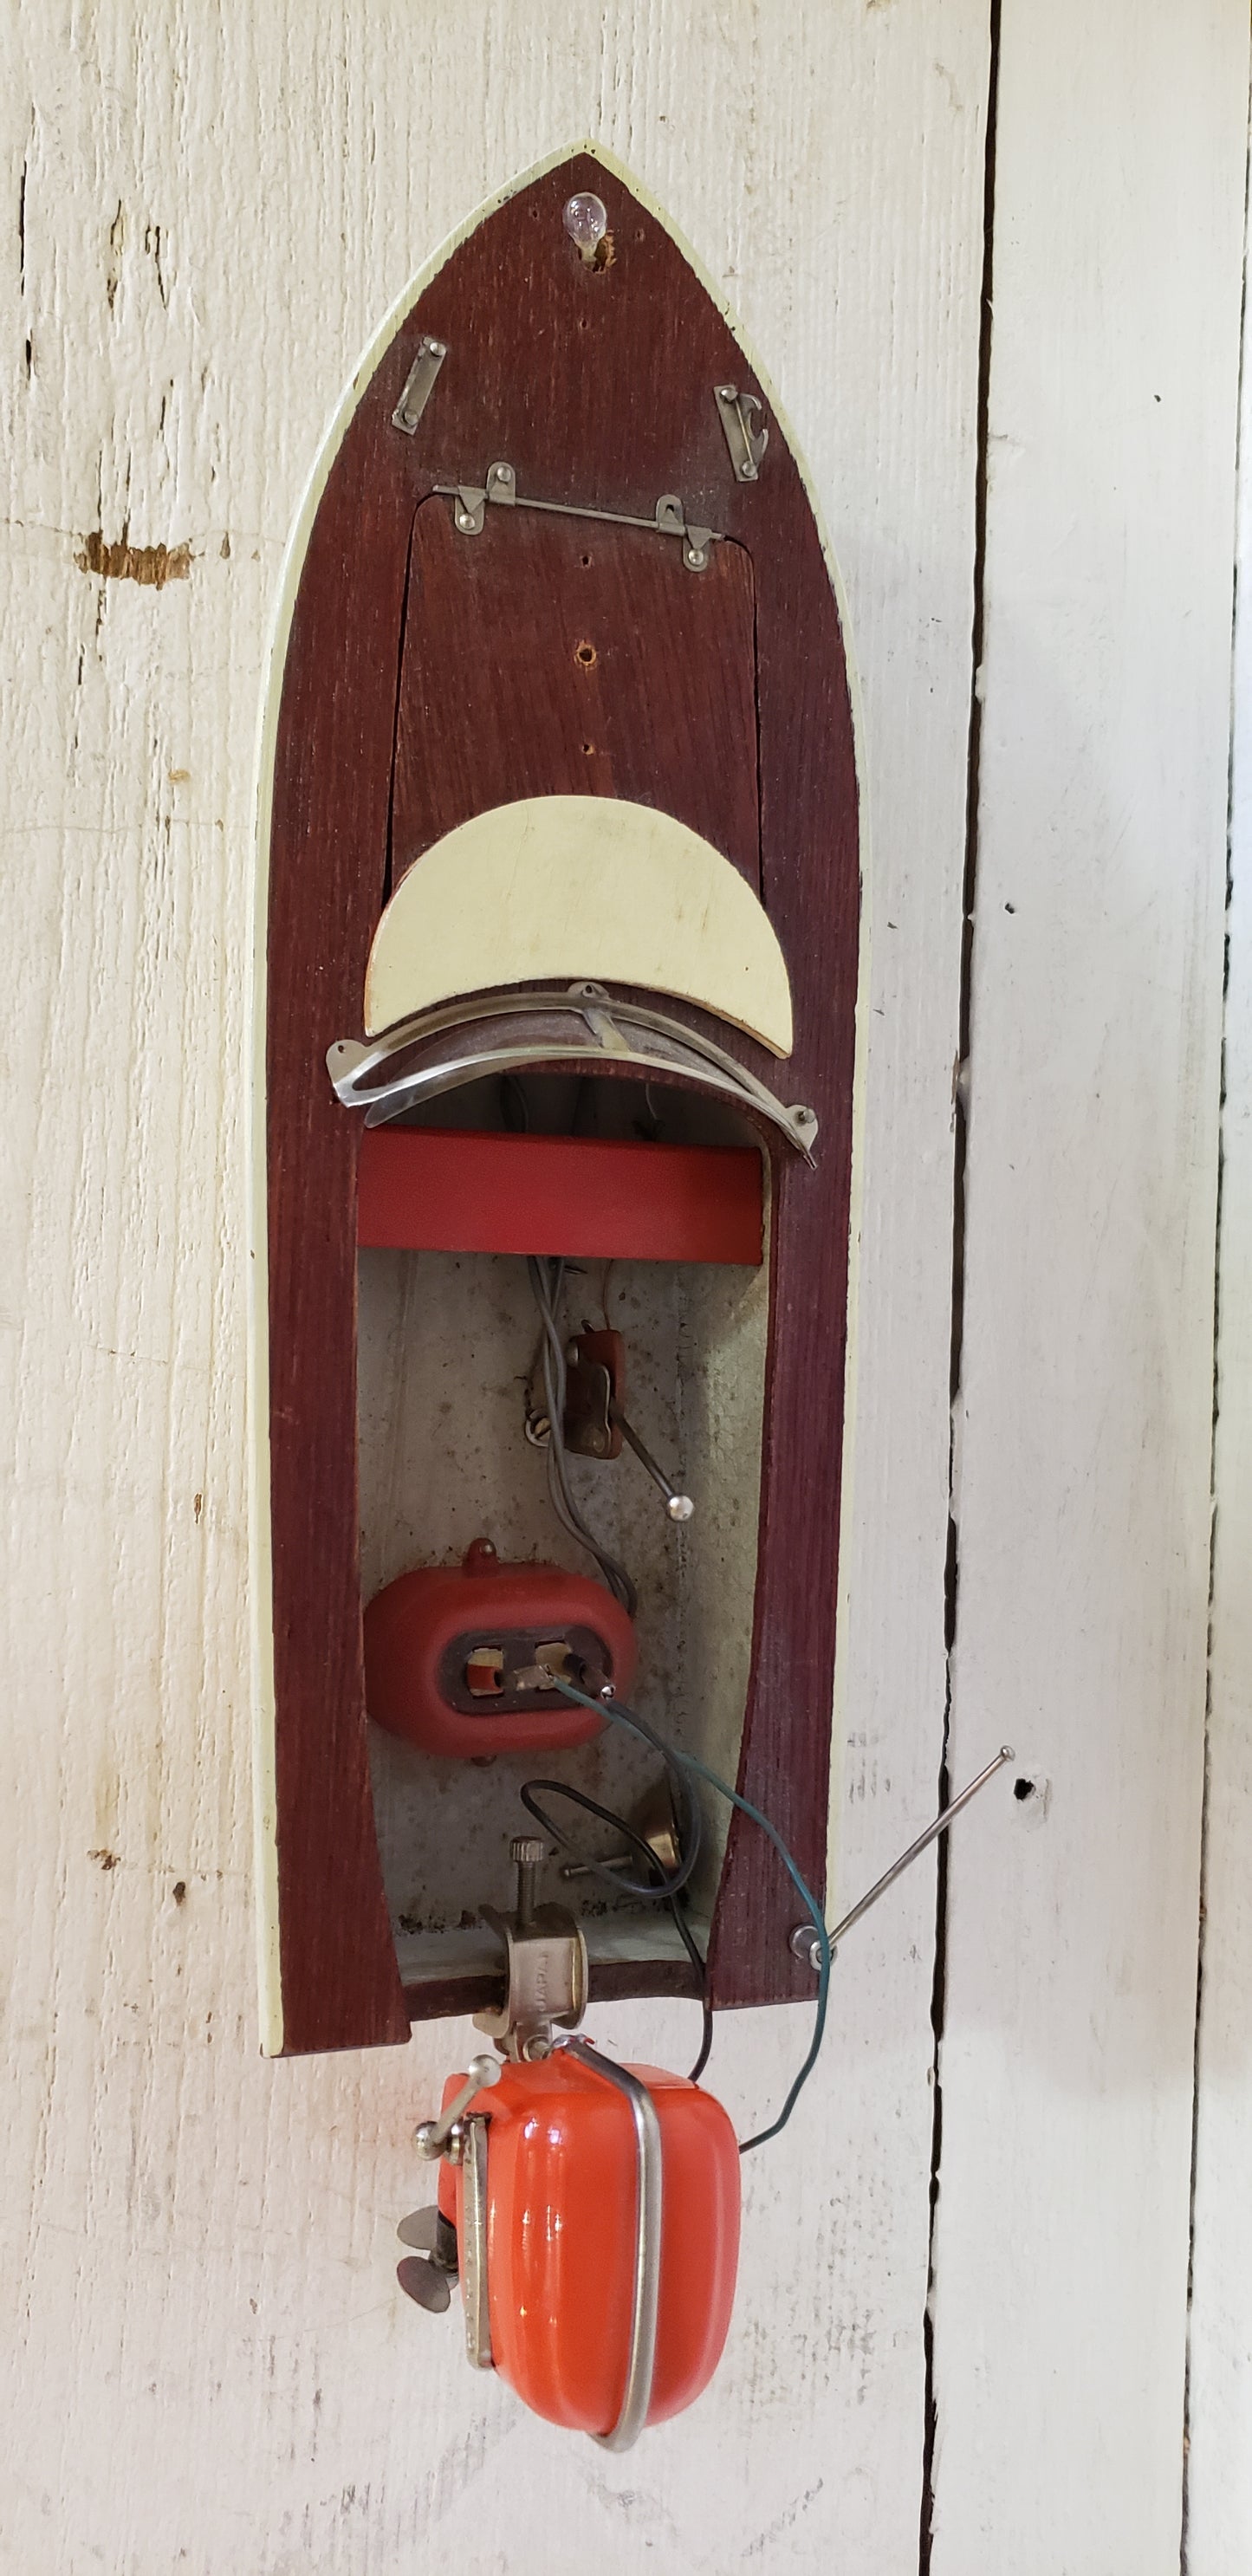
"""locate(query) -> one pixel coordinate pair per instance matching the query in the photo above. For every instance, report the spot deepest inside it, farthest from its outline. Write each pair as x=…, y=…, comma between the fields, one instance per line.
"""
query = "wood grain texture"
x=735, y=677
x=564, y=657
x=206, y=2363
x=1084, y=1409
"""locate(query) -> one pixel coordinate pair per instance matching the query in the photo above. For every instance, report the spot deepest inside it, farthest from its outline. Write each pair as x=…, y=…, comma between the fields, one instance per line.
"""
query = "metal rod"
x=559, y=509
x=941, y=1822
x=680, y=1506
x=583, y=1868
x=432, y=2136
x=574, y=510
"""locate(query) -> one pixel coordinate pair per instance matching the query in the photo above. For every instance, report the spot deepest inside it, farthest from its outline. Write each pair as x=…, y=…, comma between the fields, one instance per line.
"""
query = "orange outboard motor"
x=596, y=2209
x=590, y=2209
x=460, y=1659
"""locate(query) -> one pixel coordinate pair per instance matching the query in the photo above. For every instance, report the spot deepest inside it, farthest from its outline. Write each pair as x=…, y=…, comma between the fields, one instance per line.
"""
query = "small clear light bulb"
x=586, y=221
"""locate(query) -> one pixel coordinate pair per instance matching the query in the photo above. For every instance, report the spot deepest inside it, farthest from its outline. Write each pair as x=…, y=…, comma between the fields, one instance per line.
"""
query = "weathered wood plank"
x=1219, y=2469
x=1084, y=1408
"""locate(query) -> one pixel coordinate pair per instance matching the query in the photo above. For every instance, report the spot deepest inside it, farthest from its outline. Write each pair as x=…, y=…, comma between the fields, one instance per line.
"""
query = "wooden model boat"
x=559, y=809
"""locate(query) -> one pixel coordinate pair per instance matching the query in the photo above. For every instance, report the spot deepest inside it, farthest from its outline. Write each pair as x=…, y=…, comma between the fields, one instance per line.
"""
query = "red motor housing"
x=560, y=2245
x=456, y=1655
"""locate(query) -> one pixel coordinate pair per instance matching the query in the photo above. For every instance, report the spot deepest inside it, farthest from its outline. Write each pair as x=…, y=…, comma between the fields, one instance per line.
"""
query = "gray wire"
x=545, y=1280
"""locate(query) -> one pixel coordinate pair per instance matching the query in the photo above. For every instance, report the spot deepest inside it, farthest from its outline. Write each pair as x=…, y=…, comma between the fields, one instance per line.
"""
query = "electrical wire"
x=670, y=1882
x=630, y=1719
x=664, y=1887
x=688, y=1939
x=546, y=1279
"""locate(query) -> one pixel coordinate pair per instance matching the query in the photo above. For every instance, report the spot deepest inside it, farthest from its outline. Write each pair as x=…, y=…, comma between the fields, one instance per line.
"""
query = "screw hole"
x=1023, y=1788
x=586, y=559
x=589, y=746
x=586, y=654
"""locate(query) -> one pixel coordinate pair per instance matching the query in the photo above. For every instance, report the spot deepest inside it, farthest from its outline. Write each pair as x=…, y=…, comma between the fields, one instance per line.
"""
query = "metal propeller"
x=426, y=2282
x=419, y=2229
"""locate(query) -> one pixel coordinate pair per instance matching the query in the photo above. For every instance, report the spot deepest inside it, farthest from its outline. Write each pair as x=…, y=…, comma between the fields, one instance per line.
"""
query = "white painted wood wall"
x=208, y=2367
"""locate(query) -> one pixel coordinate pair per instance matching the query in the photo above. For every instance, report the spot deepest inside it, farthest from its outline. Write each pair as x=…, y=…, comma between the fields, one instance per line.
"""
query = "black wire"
x=637, y=1725
x=665, y=1886
x=687, y=1937
x=670, y=1882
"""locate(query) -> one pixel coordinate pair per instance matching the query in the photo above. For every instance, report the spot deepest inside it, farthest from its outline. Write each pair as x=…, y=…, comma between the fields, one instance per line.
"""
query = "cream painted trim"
x=557, y=886
x=264, y=1783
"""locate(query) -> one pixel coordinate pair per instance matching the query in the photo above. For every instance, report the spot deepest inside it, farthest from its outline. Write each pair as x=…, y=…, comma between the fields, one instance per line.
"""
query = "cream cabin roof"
x=557, y=886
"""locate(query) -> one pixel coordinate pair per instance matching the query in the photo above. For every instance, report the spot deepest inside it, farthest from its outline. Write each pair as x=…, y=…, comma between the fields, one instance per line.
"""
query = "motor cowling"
x=609, y=2256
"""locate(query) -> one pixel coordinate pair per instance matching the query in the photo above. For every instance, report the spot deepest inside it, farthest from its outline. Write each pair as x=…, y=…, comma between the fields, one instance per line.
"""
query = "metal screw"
x=528, y=1855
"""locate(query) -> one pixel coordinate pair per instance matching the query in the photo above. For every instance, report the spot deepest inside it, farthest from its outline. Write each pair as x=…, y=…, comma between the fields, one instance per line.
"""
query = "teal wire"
x=691, y=1762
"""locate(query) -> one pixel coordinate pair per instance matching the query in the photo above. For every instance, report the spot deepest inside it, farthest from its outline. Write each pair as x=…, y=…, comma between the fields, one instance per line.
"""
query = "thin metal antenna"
x=804, y=1940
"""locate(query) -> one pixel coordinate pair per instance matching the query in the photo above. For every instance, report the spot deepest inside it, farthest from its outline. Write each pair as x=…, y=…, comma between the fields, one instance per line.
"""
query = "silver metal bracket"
x=473, y=2247
x=627, y=1033
x=669, y=519
x=747, y=435
x=546, y=1962
x=419, y=384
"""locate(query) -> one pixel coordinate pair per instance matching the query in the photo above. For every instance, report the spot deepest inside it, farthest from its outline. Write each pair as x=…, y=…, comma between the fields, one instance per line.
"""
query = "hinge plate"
x=419, y=384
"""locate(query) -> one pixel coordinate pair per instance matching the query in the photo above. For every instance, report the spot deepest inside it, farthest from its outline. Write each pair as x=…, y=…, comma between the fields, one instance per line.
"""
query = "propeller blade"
x=424, y=2282
x=418, y=2230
